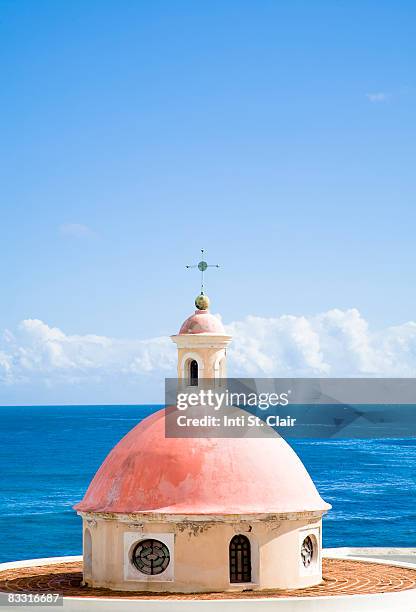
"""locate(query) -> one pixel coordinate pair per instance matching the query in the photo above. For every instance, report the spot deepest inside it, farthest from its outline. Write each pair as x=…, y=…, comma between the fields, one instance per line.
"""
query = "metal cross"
x=202, y=266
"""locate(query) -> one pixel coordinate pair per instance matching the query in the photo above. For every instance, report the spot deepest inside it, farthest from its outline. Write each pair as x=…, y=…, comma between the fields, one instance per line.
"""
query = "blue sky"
x=279, y=136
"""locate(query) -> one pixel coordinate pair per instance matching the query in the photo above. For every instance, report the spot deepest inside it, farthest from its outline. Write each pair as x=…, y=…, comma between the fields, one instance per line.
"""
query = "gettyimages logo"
x=219, y=399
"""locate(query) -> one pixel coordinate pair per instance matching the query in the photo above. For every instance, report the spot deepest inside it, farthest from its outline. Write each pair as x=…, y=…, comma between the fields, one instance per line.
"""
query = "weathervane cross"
x=202, y=267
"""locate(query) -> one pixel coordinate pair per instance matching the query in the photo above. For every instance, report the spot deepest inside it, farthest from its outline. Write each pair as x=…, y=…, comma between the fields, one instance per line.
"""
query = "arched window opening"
x=193, y=373
x=222, y=368
x=219, y=371
x=87, y=554
x=240, y=559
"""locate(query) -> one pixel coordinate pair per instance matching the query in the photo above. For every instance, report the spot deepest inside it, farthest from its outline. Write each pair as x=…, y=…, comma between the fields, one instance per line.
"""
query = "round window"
x=151, y=557
x=307, y=551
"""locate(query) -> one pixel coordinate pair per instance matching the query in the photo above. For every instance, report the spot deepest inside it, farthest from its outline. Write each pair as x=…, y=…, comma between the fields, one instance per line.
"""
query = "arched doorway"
x=193, y=373
x=240, y=559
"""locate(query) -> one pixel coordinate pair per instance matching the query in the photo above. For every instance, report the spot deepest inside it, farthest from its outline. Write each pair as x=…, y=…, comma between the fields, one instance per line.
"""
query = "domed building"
x=193, y=515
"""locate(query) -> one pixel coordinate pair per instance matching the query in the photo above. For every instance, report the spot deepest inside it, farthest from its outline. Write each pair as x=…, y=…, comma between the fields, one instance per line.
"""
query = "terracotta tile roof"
x=340, y=577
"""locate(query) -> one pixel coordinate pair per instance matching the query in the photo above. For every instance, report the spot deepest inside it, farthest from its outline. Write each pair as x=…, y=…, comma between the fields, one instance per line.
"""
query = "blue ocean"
x=48, y=456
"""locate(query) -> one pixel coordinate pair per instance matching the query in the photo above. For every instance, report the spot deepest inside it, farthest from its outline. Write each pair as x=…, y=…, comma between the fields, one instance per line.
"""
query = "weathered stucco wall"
x=200, y=555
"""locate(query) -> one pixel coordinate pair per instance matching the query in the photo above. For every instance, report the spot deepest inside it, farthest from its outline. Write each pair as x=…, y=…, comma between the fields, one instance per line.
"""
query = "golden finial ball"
x=202, y=302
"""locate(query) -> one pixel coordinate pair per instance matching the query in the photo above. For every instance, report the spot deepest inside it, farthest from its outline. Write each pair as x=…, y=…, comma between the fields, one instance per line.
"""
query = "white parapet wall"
x=403, y=555
x=400, y=601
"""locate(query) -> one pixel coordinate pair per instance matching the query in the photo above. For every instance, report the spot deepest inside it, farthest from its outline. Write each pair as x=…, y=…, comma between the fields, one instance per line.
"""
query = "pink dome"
x=202, y=322
x=147, y=472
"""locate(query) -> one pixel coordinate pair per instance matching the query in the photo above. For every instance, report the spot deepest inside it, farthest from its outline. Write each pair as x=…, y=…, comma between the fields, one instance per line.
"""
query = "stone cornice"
x=154, y=517
x=201, y=340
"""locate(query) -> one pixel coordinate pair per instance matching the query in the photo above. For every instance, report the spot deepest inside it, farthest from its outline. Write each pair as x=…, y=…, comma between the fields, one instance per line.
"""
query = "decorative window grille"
x=151, y=557
x=240, y=559
x=307, y=551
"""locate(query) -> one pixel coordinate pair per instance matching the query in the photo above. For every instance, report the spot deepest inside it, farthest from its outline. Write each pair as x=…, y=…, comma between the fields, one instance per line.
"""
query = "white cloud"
x=334, y=343
x=36, y=349
x=379, y=96
x=279, y=346
x=76, y=230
